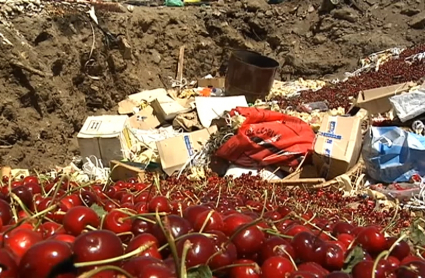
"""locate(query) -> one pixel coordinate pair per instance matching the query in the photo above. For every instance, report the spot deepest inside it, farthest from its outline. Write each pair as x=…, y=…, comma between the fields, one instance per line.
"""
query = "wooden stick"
x=179, y=76
x=299, y=181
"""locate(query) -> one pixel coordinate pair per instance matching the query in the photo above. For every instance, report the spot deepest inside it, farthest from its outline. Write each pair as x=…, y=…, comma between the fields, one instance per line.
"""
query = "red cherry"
x=211, y=219
x=234, y=221
x=155, y=270
x=410, y=259
x=192, y=212
x=245, y=269
x=9, y=268
x=41, y=257
x=117, y=222
x=249, y=240
x=69, y=202
x=33, y=187
x=5, y=212
x=77, y=218
x=30, y=179
x=136, y=266
x=401, y=250
x=365, y=269
x=333, y=256
x=414, y=269
x=346, y=239
x=342, y=228
x=97, y=245
x=295, y=230
x=24, y=194
x=372, y=240
x=144, y=239
x=177, y=225
x=160, y=203
x=49, y=229
x=276, y=267
x=303, y=274
x=314, y=268
x=276, y=246
x=225, y=251
x=338, y=274
x=62, y=237
x=305, y=245
x=20, y=240
x=201, y=249
x=88, y=198
x=141, y=226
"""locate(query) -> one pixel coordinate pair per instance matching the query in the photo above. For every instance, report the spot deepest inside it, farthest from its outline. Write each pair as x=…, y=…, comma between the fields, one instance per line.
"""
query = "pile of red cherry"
x=58, y=228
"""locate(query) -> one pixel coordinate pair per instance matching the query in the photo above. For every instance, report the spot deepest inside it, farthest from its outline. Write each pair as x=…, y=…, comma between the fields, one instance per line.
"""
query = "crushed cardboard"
x=376, y=101
x=176, y=151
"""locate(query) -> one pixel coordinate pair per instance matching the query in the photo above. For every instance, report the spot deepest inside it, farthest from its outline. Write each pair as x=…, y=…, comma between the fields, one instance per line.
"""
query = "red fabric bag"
x=267, y=138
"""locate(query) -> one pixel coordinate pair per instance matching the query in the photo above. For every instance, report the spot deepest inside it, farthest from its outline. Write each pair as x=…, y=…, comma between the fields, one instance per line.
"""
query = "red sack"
x=267, y=138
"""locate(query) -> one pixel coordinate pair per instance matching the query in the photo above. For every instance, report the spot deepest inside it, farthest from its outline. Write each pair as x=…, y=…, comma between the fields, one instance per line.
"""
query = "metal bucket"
x=250, y=74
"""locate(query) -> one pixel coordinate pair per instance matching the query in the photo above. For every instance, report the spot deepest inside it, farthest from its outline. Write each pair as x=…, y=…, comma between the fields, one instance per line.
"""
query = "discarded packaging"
x=410, y=105
x=103, y=137
x=392, y=154
x=267, y=138
x=338, y=145
x=144, y=119
x=125, y=170
x=177, y=152
x=210, y=108
x=377, y=101
x=217, y=82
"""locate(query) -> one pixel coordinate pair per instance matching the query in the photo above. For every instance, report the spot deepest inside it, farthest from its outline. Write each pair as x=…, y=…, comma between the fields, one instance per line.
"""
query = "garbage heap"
x=363, y=134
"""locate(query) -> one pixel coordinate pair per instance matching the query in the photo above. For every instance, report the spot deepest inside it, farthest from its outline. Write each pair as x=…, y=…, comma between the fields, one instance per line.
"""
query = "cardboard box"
x=121, y=171
x=217, y=82
x=377, y=100
x=103, y=137
x=167, y=108
x=144, y=119
x=338, y=145
x=176, y=151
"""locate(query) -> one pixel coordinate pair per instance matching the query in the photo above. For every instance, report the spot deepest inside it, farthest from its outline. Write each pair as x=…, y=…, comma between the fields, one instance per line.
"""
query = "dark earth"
x=53, y=76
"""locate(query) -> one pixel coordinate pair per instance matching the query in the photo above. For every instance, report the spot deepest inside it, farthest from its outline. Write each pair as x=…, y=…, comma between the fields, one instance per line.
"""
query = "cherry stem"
x=210, y=213
x=289, y=256
x=234, y=265
x=95, y=271
x=170, y=239
x=395, y=244
x=135, y=252
x=243, y=227
x=186, y=246
x=375, y=263
x=274, y=233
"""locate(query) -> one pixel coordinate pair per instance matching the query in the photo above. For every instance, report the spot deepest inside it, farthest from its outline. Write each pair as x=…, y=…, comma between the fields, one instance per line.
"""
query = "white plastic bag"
x=410, y=105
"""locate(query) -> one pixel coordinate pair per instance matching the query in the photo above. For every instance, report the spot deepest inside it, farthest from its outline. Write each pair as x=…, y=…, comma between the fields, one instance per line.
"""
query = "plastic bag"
x=410, y=105
x=393, y=155
x=174, y=3
x=267, y=138
x=402, y=192
x=320, y=106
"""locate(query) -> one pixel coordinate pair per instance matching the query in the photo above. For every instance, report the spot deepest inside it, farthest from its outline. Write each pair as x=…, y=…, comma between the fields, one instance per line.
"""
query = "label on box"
x=94, y=125
x=188, y=145
x=328, y=145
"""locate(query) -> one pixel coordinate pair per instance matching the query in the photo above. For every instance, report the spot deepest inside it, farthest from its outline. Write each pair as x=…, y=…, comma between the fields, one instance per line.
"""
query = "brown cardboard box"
x=176, y=151
x=338, y=145
x=103, y=137
x=217, y=82
x=167, y=108
x=144, y=119
x=121, y=171
x=377, y=100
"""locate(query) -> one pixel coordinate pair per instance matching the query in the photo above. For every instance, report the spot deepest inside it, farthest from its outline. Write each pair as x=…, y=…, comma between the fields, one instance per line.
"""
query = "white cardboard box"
x=102, y=136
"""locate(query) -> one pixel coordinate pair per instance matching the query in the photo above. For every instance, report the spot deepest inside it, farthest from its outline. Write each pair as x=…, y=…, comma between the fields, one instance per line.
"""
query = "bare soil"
x=59, y=69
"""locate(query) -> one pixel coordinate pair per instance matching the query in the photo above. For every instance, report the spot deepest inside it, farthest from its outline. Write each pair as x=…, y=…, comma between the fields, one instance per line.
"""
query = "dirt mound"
x=56, y=68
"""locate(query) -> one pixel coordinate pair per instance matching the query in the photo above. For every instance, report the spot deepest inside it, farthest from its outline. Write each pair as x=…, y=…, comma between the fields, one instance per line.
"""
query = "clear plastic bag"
x=313, y=106
x=410, y=105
